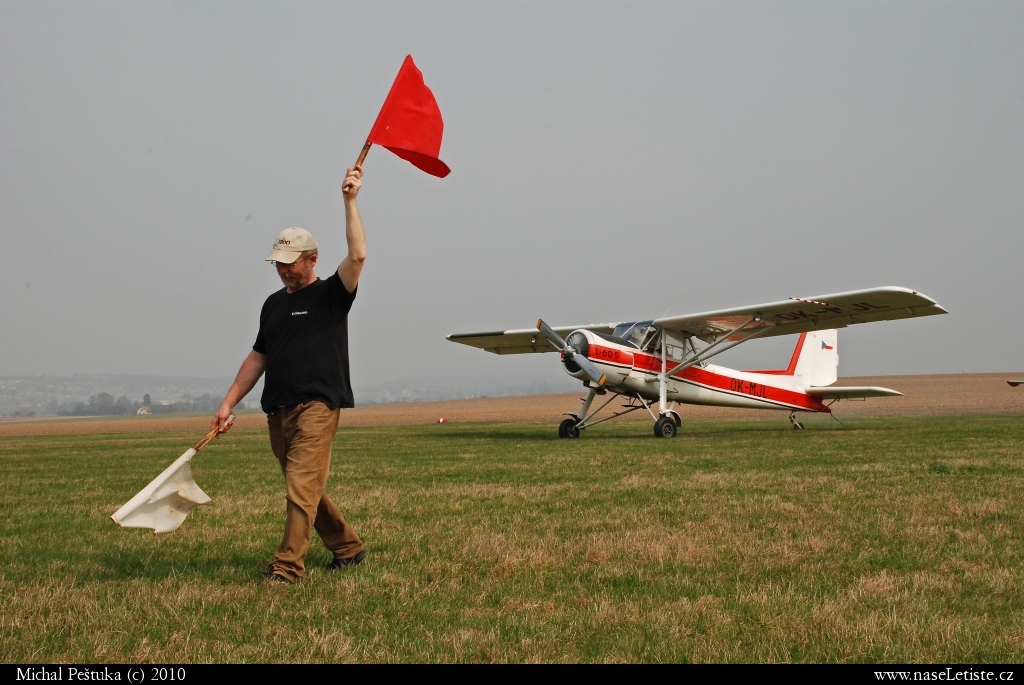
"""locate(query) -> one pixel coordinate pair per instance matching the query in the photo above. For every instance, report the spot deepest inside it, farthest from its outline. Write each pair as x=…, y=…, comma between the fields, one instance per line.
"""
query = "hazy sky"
x=610, y=161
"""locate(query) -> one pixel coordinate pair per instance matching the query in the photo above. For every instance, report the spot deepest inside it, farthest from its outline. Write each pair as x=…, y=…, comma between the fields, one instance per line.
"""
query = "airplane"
x=1014, y=384
x=657, y=363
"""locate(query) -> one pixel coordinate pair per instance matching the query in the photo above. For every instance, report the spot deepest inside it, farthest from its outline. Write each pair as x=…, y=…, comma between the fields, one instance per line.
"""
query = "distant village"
x=121, y=395
x=104, y=404
x=110, y=395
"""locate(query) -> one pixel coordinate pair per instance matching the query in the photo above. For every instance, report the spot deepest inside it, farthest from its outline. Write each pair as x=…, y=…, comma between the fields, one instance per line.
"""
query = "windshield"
x=633, y=332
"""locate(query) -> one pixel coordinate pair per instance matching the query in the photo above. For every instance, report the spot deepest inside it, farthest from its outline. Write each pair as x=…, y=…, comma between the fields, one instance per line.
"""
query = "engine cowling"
x=579, y=342
x=613, y=359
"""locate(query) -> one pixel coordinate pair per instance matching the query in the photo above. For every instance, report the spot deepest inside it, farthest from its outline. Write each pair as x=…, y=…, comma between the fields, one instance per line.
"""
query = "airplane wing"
x=799, y=314
x=851, y=392
x=523, y=340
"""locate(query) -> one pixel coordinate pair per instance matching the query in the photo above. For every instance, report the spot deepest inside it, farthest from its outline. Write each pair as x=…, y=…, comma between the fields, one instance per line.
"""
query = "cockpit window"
x=633, y=332
x=644, y=336
x=652, y=340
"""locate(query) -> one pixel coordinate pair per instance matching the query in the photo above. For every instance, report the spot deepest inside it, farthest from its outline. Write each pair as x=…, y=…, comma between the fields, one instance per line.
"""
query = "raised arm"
x=250, y=372
x=352, y=265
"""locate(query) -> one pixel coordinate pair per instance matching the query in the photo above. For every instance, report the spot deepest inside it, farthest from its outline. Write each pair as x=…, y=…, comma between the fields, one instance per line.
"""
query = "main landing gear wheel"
x=665, y=427
x=568, y=429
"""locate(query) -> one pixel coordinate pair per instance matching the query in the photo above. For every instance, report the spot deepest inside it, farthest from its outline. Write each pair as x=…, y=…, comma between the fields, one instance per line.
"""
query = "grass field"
x=895, y=539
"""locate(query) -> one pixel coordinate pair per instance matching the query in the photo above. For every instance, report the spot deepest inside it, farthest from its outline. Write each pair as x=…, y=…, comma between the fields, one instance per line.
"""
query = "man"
x=302, y=345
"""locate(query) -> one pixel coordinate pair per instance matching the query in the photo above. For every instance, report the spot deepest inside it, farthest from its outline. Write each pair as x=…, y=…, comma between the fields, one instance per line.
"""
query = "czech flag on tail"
x=825, y=345
x=409, y=123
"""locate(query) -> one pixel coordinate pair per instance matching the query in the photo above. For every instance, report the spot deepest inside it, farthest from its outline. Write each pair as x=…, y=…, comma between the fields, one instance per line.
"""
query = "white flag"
x=165, y=502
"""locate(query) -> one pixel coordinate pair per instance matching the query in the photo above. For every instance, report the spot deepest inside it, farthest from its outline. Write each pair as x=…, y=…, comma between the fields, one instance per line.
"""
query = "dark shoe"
x=347, y=561
x=275, y=577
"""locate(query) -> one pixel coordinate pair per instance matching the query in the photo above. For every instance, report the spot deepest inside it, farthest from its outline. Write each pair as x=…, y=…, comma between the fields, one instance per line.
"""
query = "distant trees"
x=56, y=408
x=22, y=413
x=104, y=404
x=205, y=402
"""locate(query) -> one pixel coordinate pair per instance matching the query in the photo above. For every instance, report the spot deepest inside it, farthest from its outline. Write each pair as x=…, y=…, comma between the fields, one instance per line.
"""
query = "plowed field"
x=948, y=394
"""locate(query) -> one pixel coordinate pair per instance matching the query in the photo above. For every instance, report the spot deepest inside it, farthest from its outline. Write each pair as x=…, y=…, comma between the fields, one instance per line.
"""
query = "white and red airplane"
x=655, y=364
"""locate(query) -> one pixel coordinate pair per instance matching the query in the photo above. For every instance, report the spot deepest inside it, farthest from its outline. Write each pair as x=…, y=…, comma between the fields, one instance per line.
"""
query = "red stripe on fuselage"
x=763, y=391
x=610, y=355
x=713, y=381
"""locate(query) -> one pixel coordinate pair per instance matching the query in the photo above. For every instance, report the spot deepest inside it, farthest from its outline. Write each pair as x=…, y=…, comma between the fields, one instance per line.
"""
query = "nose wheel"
x=665, y=427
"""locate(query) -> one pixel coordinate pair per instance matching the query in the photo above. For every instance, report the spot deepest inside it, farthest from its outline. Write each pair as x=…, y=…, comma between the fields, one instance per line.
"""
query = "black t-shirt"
x=304, y=336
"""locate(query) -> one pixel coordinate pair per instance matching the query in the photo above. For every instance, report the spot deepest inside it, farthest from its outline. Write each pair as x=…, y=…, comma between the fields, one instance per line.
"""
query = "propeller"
x=567, y=350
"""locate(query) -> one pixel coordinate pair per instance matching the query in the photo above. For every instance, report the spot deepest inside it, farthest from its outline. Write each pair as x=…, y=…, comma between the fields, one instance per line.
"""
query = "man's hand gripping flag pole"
x=165, y=502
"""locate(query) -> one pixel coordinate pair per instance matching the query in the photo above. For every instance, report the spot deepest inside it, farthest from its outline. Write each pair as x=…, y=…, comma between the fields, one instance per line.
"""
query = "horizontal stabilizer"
x=851, y=392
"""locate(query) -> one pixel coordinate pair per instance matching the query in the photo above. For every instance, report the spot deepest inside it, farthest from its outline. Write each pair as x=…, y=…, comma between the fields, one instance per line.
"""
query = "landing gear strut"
x=796, y=424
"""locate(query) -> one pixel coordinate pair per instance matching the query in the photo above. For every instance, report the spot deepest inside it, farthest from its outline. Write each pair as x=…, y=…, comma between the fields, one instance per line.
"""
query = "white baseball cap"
x=290, y=243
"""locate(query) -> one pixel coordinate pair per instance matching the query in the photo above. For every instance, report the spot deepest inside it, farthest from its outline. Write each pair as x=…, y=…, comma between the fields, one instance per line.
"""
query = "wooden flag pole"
x=214, y=433
x=362, y=156
x=209, y=436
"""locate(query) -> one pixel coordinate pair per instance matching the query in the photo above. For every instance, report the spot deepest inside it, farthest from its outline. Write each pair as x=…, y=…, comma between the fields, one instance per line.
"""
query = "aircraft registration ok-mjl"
x=665, y=361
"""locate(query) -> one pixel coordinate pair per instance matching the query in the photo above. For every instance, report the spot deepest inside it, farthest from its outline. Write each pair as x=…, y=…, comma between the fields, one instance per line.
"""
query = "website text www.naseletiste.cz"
x=949, y=674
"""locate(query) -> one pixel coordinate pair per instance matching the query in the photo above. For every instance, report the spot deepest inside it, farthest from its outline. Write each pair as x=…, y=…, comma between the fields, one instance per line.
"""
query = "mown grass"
x=885, y=540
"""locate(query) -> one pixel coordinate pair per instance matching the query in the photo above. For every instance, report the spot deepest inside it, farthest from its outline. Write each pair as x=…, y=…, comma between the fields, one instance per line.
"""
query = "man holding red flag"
x=302, y=346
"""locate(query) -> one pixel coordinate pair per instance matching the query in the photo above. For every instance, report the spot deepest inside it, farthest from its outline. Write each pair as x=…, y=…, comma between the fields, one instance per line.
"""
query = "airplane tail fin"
x=817, y=358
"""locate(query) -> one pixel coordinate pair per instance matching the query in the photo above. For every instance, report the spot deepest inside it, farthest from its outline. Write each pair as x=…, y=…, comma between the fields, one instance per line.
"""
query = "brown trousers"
x=301, y=438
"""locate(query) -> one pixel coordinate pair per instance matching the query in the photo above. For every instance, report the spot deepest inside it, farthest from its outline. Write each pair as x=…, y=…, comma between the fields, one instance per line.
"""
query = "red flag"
x=409, y=123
